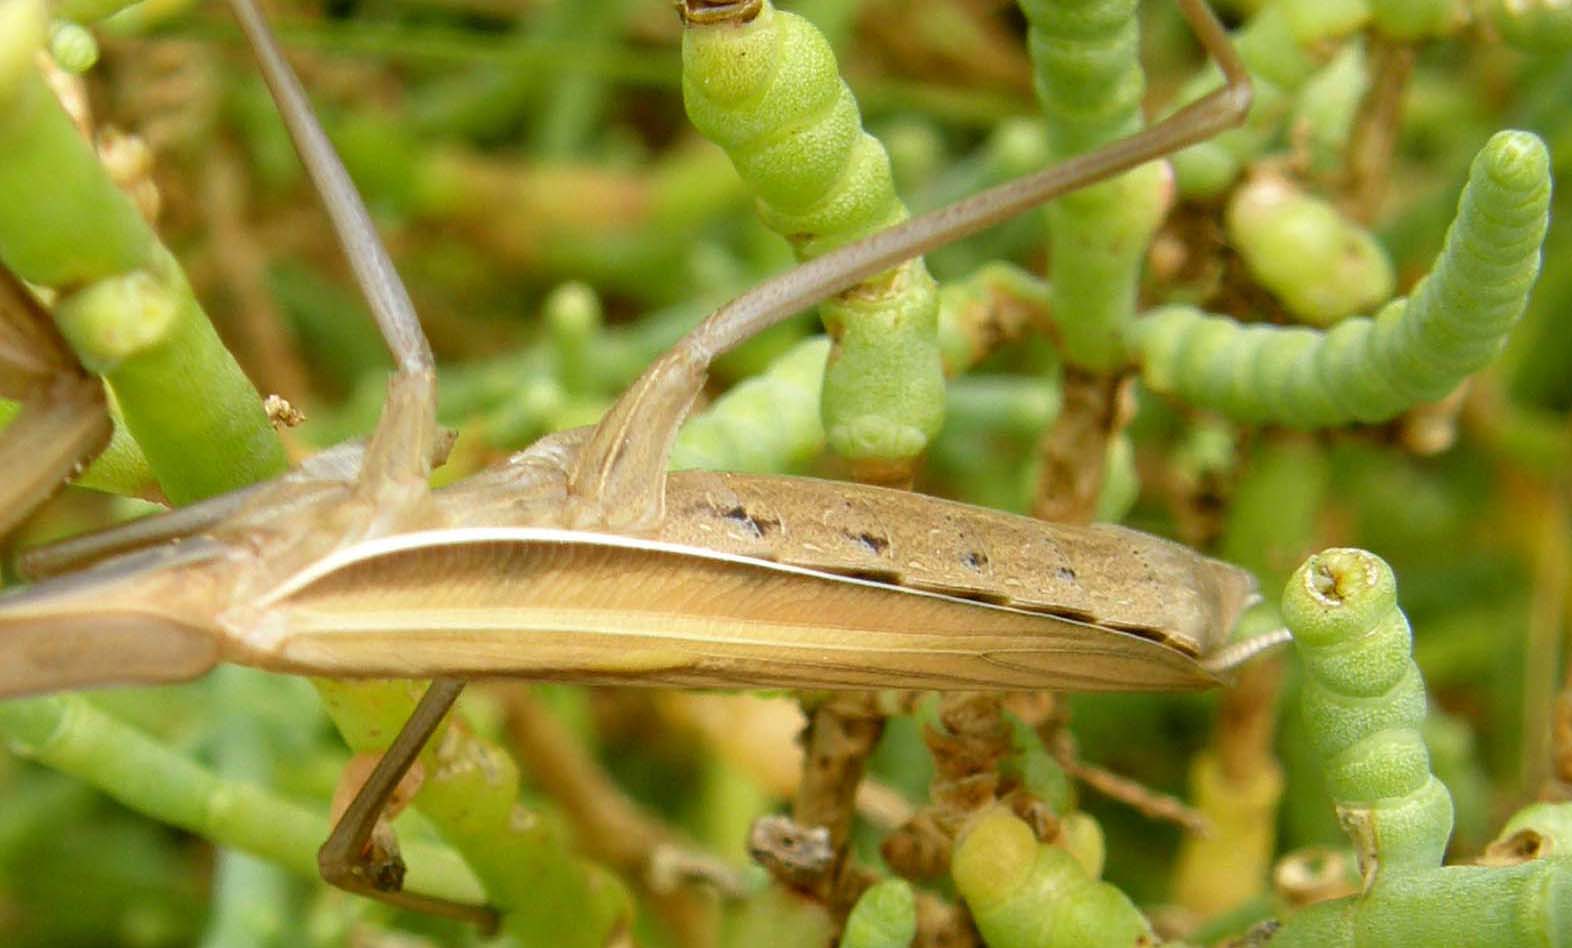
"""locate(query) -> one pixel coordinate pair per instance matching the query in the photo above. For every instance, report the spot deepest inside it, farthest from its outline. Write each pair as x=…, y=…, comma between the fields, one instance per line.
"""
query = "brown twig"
x=1374, y=136
x=1236, y=784
x=803, y=859
x=1561, y=745
x=942, y=924
x=1074, y=449
x=967, y=751
x=273, y=361
x=842, y=732
x=613, y=828
x=1247, y=720
x=1150, y=803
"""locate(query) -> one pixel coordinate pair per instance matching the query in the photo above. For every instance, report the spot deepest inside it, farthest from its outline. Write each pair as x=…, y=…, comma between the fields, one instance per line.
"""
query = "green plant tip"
x=1337, y=594
x=23, y=28
x=1516, y=160
x=73, y=46
x=993, y=854
x=573, y=309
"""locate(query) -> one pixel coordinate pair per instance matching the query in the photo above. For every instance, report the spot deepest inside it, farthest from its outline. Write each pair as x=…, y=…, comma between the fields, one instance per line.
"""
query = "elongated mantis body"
x=581, y=559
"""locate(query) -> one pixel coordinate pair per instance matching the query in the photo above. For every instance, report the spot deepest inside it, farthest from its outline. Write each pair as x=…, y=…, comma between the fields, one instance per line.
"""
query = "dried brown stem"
x=942, y=924
x=1374, y=136
x=975, y=738
x=1075, y=448
x=612, y=828
x=1561, y=744
x=1247, y=720
x=842, y=732
x=273, y=360
x=802, y=858
x=1150, y=803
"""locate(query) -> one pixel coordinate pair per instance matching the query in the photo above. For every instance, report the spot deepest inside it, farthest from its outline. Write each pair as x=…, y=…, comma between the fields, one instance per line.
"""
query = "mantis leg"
x=392, y=476
x=63, y=419
x=398, y=458
x=349, y=859
x=619, y=480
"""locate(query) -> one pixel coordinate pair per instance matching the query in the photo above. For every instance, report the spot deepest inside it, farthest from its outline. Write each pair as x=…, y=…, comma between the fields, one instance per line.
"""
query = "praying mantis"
x=582, y=559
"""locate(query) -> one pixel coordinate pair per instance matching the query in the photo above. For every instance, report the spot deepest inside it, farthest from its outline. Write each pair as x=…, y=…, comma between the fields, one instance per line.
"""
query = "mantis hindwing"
x=581, y=559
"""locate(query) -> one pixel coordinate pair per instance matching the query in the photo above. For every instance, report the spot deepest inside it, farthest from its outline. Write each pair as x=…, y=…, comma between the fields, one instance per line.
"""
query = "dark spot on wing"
x=974, y=560
x=756, y=525
x=872, y=543
x=1065, y=573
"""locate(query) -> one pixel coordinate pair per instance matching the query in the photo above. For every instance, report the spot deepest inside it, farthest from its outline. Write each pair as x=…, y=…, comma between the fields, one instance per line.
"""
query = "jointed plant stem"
x=1366, y=370
x=124, y=304
x=767, y=90
x=1363, y=705
x=1090, y=82
x=71, y=735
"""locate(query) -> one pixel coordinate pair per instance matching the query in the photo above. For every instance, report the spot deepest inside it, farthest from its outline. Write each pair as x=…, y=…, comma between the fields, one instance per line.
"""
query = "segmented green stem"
x=1086, y=54
x=767, y=91
x=70, y=734
x=176, y=385
x=771, y=423
x=885, y=916
x=1088, y=77
x=1417, y=349
x=1521, y=897
x=125, y=306
x=1364, y=704
x=1026, y=894
x=1526, y=906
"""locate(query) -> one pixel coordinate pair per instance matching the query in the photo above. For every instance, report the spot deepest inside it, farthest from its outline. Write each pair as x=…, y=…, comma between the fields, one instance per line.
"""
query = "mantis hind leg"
x=63, y=419
x=352, y=860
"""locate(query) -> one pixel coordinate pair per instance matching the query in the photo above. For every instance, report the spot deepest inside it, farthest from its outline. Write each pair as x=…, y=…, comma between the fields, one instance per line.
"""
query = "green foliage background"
x=560, y=223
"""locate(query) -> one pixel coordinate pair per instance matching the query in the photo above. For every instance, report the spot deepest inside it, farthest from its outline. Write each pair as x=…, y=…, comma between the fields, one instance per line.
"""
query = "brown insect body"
x=746, y=580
